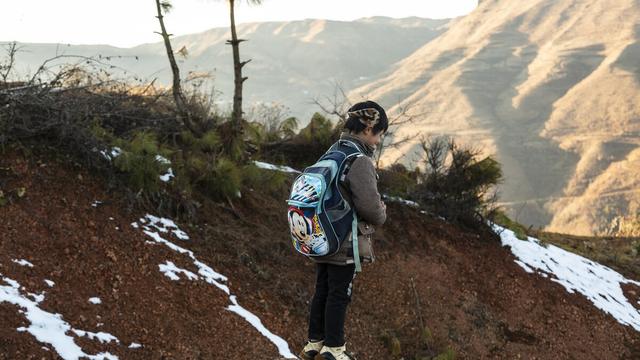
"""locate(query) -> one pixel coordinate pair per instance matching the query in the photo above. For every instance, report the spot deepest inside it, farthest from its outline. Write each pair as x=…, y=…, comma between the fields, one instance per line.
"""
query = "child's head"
x=368, y=120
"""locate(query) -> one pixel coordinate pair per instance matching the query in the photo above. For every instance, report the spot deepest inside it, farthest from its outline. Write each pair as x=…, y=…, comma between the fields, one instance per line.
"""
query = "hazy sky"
x=131, y=22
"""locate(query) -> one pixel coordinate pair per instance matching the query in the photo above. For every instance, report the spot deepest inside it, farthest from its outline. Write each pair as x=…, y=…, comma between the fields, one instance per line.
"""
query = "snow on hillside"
x=264, y=165
x=152, y=226
x=50, y=328
x=598, y=283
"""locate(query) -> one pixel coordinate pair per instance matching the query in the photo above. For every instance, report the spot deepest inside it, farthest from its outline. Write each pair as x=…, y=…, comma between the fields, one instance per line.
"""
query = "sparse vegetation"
x=392, y=343
x=503, y=220
x=85, y=113
x=619, y=253
x=447, y=355
x=627, y=226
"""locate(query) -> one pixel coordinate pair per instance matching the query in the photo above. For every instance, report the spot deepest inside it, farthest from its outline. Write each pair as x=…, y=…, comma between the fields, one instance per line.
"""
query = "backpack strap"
x=351, y=144
x=354, y=237
x=347, y=165
x=354, y=225
x=355, y=153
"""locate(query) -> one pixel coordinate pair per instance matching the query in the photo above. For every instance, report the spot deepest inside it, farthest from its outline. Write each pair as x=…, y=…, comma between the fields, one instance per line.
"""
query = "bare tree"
x=402, y=118
x=6, y=67
x=338, y=105
x=335, y=105
x=164, y=6
x=238, y=79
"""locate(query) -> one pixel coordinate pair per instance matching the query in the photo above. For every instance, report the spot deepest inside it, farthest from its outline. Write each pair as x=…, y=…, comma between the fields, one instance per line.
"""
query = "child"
x=365, y=125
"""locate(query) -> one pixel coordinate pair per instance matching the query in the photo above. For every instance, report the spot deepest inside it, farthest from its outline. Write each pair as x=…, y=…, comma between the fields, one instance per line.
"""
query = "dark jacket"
x=360, y=189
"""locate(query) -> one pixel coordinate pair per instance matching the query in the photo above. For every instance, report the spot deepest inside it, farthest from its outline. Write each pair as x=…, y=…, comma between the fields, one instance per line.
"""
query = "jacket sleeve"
x=363, y=184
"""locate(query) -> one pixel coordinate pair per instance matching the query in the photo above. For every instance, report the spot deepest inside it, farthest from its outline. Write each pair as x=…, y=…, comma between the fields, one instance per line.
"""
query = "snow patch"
x=135, y=346
x=96, y=203
x=164, y=225
x=114, y=153
x=264, y=165
x=49, y=283
x=49, y=328
x=170, y=270
x=95, y=300
x=38, y=298
x=205, y=273
x=103, y=337
x=598, y=283
x=169, y=174
x=163, y=160
x=22, y=262
x=282, y=345
x=401, y=200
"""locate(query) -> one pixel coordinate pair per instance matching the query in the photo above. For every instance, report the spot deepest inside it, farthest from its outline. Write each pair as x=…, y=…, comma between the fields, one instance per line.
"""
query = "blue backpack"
x=320, y=219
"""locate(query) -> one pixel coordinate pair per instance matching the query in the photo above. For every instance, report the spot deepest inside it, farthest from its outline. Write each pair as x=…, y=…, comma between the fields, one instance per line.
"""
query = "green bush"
x=319, y=131
x=397, y=180
x=270, y=123
x=304, y=148
x=263, y=179
x=223, y=180
x=455, y=184
x=139, y=161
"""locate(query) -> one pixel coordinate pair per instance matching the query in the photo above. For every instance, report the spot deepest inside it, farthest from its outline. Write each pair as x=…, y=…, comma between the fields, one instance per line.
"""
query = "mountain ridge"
x=292, y=62
x=550, y=87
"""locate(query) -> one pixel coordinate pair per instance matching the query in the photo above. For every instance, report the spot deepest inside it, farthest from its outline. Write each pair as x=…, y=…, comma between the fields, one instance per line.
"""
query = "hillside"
x=552, y=88
x=177, y=290
x=292, y=62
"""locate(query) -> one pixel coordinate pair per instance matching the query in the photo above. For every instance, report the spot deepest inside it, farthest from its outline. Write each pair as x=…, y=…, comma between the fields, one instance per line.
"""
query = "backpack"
x=320, y=218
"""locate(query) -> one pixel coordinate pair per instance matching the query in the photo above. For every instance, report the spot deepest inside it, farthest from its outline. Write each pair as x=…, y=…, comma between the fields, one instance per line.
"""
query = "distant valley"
x=551, y=87
x=291, y=62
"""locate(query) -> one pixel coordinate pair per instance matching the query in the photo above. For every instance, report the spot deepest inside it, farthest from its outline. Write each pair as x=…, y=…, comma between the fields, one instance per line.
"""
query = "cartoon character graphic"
x=319, y=244
x=301, y=227
x=306, y=189
x=307, y=233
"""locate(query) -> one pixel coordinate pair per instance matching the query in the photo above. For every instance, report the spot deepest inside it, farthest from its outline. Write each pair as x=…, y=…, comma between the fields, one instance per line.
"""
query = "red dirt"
x=473, y=298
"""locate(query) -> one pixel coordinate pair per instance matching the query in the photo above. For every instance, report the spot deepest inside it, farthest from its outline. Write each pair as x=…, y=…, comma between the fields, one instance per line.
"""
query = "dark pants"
x=329, y=304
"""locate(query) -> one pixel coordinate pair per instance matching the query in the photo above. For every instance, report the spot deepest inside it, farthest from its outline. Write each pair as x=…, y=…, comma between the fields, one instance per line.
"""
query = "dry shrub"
x=456, y=184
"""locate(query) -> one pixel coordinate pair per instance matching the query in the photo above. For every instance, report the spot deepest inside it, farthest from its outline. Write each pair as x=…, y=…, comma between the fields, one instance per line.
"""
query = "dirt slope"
x=473, y=298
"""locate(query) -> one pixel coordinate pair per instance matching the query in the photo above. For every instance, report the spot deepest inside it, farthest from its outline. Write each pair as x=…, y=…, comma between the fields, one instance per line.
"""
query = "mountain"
x=552, y=87
x=292, y=62
x=84, y=274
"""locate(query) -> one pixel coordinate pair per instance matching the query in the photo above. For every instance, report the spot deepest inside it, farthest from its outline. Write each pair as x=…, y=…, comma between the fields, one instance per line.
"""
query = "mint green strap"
x=356, y=250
